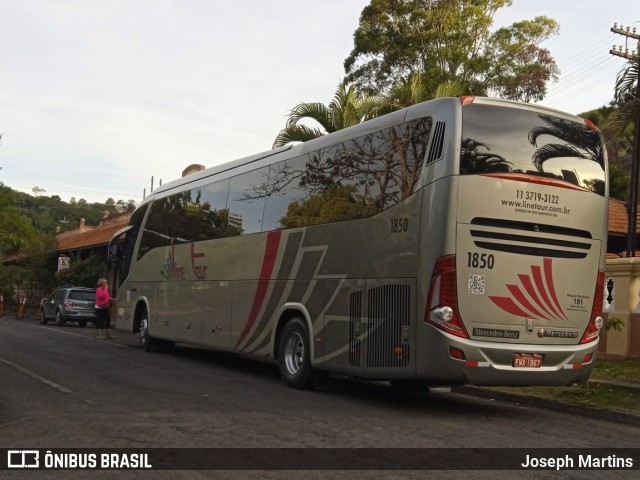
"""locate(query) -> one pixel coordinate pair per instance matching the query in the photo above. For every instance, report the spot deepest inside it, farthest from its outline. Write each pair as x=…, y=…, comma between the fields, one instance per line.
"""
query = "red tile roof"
x=618, y=223
x=86, y=237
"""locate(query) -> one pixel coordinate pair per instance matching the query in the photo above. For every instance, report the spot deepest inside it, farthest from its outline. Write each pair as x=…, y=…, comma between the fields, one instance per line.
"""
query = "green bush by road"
x=595, y=394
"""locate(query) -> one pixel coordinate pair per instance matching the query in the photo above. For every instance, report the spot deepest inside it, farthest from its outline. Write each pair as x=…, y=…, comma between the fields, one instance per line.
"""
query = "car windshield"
x=88, y=295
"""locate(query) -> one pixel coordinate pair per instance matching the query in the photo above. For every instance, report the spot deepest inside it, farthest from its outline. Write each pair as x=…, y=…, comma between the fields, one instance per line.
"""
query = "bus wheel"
x=294, y=355
x=146, y=342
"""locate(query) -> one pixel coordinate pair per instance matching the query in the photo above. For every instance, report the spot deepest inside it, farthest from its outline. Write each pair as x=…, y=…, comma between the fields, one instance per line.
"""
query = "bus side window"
x=284, y=190
x=246, y=200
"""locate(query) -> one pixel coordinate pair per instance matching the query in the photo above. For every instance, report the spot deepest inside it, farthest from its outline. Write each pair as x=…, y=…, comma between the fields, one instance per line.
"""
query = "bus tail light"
x=457, y=353
x=591, y=125
x=595, y=323
x=442, y=303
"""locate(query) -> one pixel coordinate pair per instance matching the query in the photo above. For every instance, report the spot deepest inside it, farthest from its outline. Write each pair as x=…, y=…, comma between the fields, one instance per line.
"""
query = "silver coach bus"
x=458, y=241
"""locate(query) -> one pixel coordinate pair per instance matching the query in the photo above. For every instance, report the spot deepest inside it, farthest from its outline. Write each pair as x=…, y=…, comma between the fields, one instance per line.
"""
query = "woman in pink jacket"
x=103, y=316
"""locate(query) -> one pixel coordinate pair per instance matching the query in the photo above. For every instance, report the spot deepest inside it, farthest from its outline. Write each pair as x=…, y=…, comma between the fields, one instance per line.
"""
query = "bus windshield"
x=496, y=139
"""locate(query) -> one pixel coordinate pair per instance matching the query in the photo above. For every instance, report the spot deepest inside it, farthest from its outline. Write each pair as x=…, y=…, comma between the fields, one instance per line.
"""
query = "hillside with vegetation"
x=28, y=224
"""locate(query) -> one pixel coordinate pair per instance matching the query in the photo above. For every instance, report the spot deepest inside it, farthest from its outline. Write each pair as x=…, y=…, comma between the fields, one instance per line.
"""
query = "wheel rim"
x=144, y=331
x=294, y=353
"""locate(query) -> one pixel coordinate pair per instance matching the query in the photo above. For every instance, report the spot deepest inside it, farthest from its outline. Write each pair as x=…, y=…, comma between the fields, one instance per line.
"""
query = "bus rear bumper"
x=470, y=362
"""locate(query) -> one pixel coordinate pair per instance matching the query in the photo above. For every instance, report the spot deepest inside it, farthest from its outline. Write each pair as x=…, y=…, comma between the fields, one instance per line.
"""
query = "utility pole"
x=632, y=210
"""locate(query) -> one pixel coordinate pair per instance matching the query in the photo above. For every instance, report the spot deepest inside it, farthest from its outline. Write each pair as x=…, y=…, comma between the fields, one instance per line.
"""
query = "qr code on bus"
x=476, y=284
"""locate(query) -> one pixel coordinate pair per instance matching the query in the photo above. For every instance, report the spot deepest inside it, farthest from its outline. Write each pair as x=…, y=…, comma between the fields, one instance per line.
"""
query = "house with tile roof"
x=618, y=227
x=86, y=239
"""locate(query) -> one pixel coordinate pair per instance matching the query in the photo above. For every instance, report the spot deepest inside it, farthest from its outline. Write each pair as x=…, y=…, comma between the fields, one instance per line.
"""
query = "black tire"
x=43, y=319
x=59, y=319
x=294, y=353
x=146, y=341
x=82, y=323
x=149, y=343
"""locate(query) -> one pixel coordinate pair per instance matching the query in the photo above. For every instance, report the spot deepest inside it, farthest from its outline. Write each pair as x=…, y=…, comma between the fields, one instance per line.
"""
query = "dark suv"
x=69, y=304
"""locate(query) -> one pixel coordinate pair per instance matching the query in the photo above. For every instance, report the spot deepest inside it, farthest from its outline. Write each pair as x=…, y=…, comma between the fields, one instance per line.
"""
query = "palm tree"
x=474, y=159
x=627, y=93
x=347, y=108
x=414, y=89
x=577, y=141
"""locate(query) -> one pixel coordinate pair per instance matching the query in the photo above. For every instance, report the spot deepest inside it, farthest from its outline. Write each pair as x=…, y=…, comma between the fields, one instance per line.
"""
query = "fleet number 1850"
x=480, y=260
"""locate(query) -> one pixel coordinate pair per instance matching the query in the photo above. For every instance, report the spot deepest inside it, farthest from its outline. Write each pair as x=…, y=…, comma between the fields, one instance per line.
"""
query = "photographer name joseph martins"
x=583, y=461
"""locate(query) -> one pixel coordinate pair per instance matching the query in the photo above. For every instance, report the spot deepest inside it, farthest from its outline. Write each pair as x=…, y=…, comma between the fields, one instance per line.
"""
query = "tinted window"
x=190, y=216
x=350, y=180
x=58, y=296
x=510, y=140
x=82, y=295
x=215, y=195
x=284, y=188
x=247, y=199
x=396, y=159
x=127, y=243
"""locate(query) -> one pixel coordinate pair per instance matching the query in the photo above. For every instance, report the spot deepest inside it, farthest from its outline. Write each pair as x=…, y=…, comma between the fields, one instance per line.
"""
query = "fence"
x=622, y=302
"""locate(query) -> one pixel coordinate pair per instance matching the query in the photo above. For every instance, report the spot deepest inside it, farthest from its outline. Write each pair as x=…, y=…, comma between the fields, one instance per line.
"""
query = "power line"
x=577, y=59
x=578, y=88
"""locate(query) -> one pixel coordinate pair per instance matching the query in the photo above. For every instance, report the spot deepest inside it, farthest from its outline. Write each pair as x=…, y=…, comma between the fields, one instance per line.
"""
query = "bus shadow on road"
x=256, y=375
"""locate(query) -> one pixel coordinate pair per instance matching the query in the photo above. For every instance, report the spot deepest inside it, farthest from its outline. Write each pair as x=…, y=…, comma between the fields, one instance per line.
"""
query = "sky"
x=108, y=99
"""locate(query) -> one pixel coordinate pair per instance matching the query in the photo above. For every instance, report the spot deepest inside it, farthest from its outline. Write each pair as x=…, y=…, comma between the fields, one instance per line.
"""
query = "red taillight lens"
x=591, y=125
x=592, y=332
x=456, y=353
x=442, y=303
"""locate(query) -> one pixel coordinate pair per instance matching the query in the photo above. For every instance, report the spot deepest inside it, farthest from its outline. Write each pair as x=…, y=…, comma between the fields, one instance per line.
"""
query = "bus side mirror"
x=112, y=255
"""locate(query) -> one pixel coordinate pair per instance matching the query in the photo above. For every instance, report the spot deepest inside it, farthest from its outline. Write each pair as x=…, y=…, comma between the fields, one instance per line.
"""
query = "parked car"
x=69, y=304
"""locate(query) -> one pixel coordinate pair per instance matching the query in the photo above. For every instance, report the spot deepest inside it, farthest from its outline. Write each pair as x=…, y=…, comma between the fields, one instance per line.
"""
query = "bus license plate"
x=527, y=360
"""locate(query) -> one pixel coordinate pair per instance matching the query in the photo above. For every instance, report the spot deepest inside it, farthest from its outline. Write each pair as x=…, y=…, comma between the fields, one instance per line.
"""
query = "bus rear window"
x=505, y=140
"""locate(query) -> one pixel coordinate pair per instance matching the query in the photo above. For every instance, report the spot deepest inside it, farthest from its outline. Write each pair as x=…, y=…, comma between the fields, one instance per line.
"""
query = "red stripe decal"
x=528, y=286
x=518, y=295
x=537, y=276
x=268, y=262
x=552, y=289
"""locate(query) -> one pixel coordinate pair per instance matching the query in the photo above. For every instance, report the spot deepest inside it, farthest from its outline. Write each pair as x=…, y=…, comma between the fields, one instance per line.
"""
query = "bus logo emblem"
x=541, y=302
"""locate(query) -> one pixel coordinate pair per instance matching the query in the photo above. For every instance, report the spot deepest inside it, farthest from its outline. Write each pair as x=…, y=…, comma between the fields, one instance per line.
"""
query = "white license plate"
x=527, y=360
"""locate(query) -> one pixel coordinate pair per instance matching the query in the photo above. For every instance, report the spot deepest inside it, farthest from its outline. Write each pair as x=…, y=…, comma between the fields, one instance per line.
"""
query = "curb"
x=556, y=405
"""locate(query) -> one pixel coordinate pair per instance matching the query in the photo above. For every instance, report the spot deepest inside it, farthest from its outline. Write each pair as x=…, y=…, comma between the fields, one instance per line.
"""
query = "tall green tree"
x=627, y=97
x=626, y=90
x=619, y=182
x=415, y=89
x=347, y=108
x=451, y=40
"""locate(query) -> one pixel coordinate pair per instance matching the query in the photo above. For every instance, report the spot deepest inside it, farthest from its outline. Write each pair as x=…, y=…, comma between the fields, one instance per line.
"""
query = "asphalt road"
x=63, y=388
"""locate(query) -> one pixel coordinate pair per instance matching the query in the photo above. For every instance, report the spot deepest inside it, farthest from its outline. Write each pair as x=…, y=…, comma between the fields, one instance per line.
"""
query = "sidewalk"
x=559, y=406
